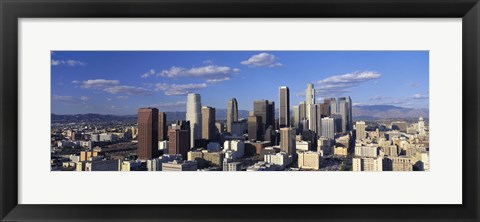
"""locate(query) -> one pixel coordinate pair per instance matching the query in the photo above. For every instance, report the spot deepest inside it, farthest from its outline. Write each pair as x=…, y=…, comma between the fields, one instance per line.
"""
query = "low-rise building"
x=156, y=164
x=282, y=159
x=367, y=164
x=309, y=160
x=179, y=166
x=103, y=165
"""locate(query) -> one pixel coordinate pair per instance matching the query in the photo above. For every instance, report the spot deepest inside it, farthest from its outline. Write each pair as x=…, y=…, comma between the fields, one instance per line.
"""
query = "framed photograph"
x=225, y=110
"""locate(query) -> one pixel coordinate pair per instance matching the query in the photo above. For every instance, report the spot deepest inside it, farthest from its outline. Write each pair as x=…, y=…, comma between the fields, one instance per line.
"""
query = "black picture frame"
x=12, y=10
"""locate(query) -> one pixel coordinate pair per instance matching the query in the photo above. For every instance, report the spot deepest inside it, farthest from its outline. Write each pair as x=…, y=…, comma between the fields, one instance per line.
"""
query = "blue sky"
x=120, y=82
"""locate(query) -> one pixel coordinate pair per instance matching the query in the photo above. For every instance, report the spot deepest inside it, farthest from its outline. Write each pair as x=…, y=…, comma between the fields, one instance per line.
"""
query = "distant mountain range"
x=358, y=112
x=387, y=112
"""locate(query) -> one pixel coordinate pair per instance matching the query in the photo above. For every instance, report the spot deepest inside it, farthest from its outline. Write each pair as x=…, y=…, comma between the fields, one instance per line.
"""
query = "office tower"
x=179, y=142
x=287, y=140
x=333, y=106
x=255, y=128
x=232, y=113
x=220, y=127
x=270, y=114
x=309, y=103
x=208, y=123
x=266, y=110
x=348, y=105
x=310, y=94
x=328, y=128
x=421, y=126
x=318, y=119
x=312, y=119
x=194, y=116
x=270, y=135
x=162, y=126
x=302, y=112
x=360, y=130
x=342, y=107
x=295, y=117
x=284, y=120
x=326, y=107
x=147, y=133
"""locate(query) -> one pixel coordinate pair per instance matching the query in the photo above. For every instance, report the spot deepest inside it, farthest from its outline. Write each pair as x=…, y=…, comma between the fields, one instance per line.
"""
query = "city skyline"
x=112, y=82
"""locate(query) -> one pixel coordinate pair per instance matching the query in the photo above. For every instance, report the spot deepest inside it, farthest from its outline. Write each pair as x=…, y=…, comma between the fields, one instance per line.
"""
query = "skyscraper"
x=302, y=109
x=328, y=127
x=147, y=133
x=194, y=116
x=254, y=128
x=270, y=114
x=179, y=141
x=208, y=123
x=345, y=110
x=310, y=94
x=360, y=130
x=311, y=111
x=295, y=117
x=284, y=111
x=287, y=140
x=232, y=113
x=162, y=126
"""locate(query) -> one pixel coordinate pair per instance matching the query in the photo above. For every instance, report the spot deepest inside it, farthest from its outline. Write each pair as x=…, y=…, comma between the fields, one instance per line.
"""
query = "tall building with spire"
x=194, y=116
x=232, y=113
x=284, y=110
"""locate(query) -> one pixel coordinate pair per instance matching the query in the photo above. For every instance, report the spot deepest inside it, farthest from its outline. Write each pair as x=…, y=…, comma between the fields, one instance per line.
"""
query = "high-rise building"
x=194, y=116
x=147, y=133
x=326, y=107
x=295, y=117
x=255, y=128
x=287, y=140
x=345, y=110
x=232, y=113
x=162, y=126
x=302, y=111
x=360, y=130
x=284, y=110
x=421, y=126
x=270, y=114
x=266, y=110
x=311, y=109
x=179, y=142
x=208, y=123
x=328, y=127
x=310, y=94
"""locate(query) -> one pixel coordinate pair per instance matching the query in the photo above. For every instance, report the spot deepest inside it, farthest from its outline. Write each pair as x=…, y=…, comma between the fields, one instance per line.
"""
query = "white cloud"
x=339, y=84
x=70, y=100
x=69, y=62
x=128, y=90
x=203, y=71
x=419, y=96
x=75, y=82
x=262, y=59
x=99, y=83
x=170, y=106
x=151, y=72
x=179, y=89
x=218, y=80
